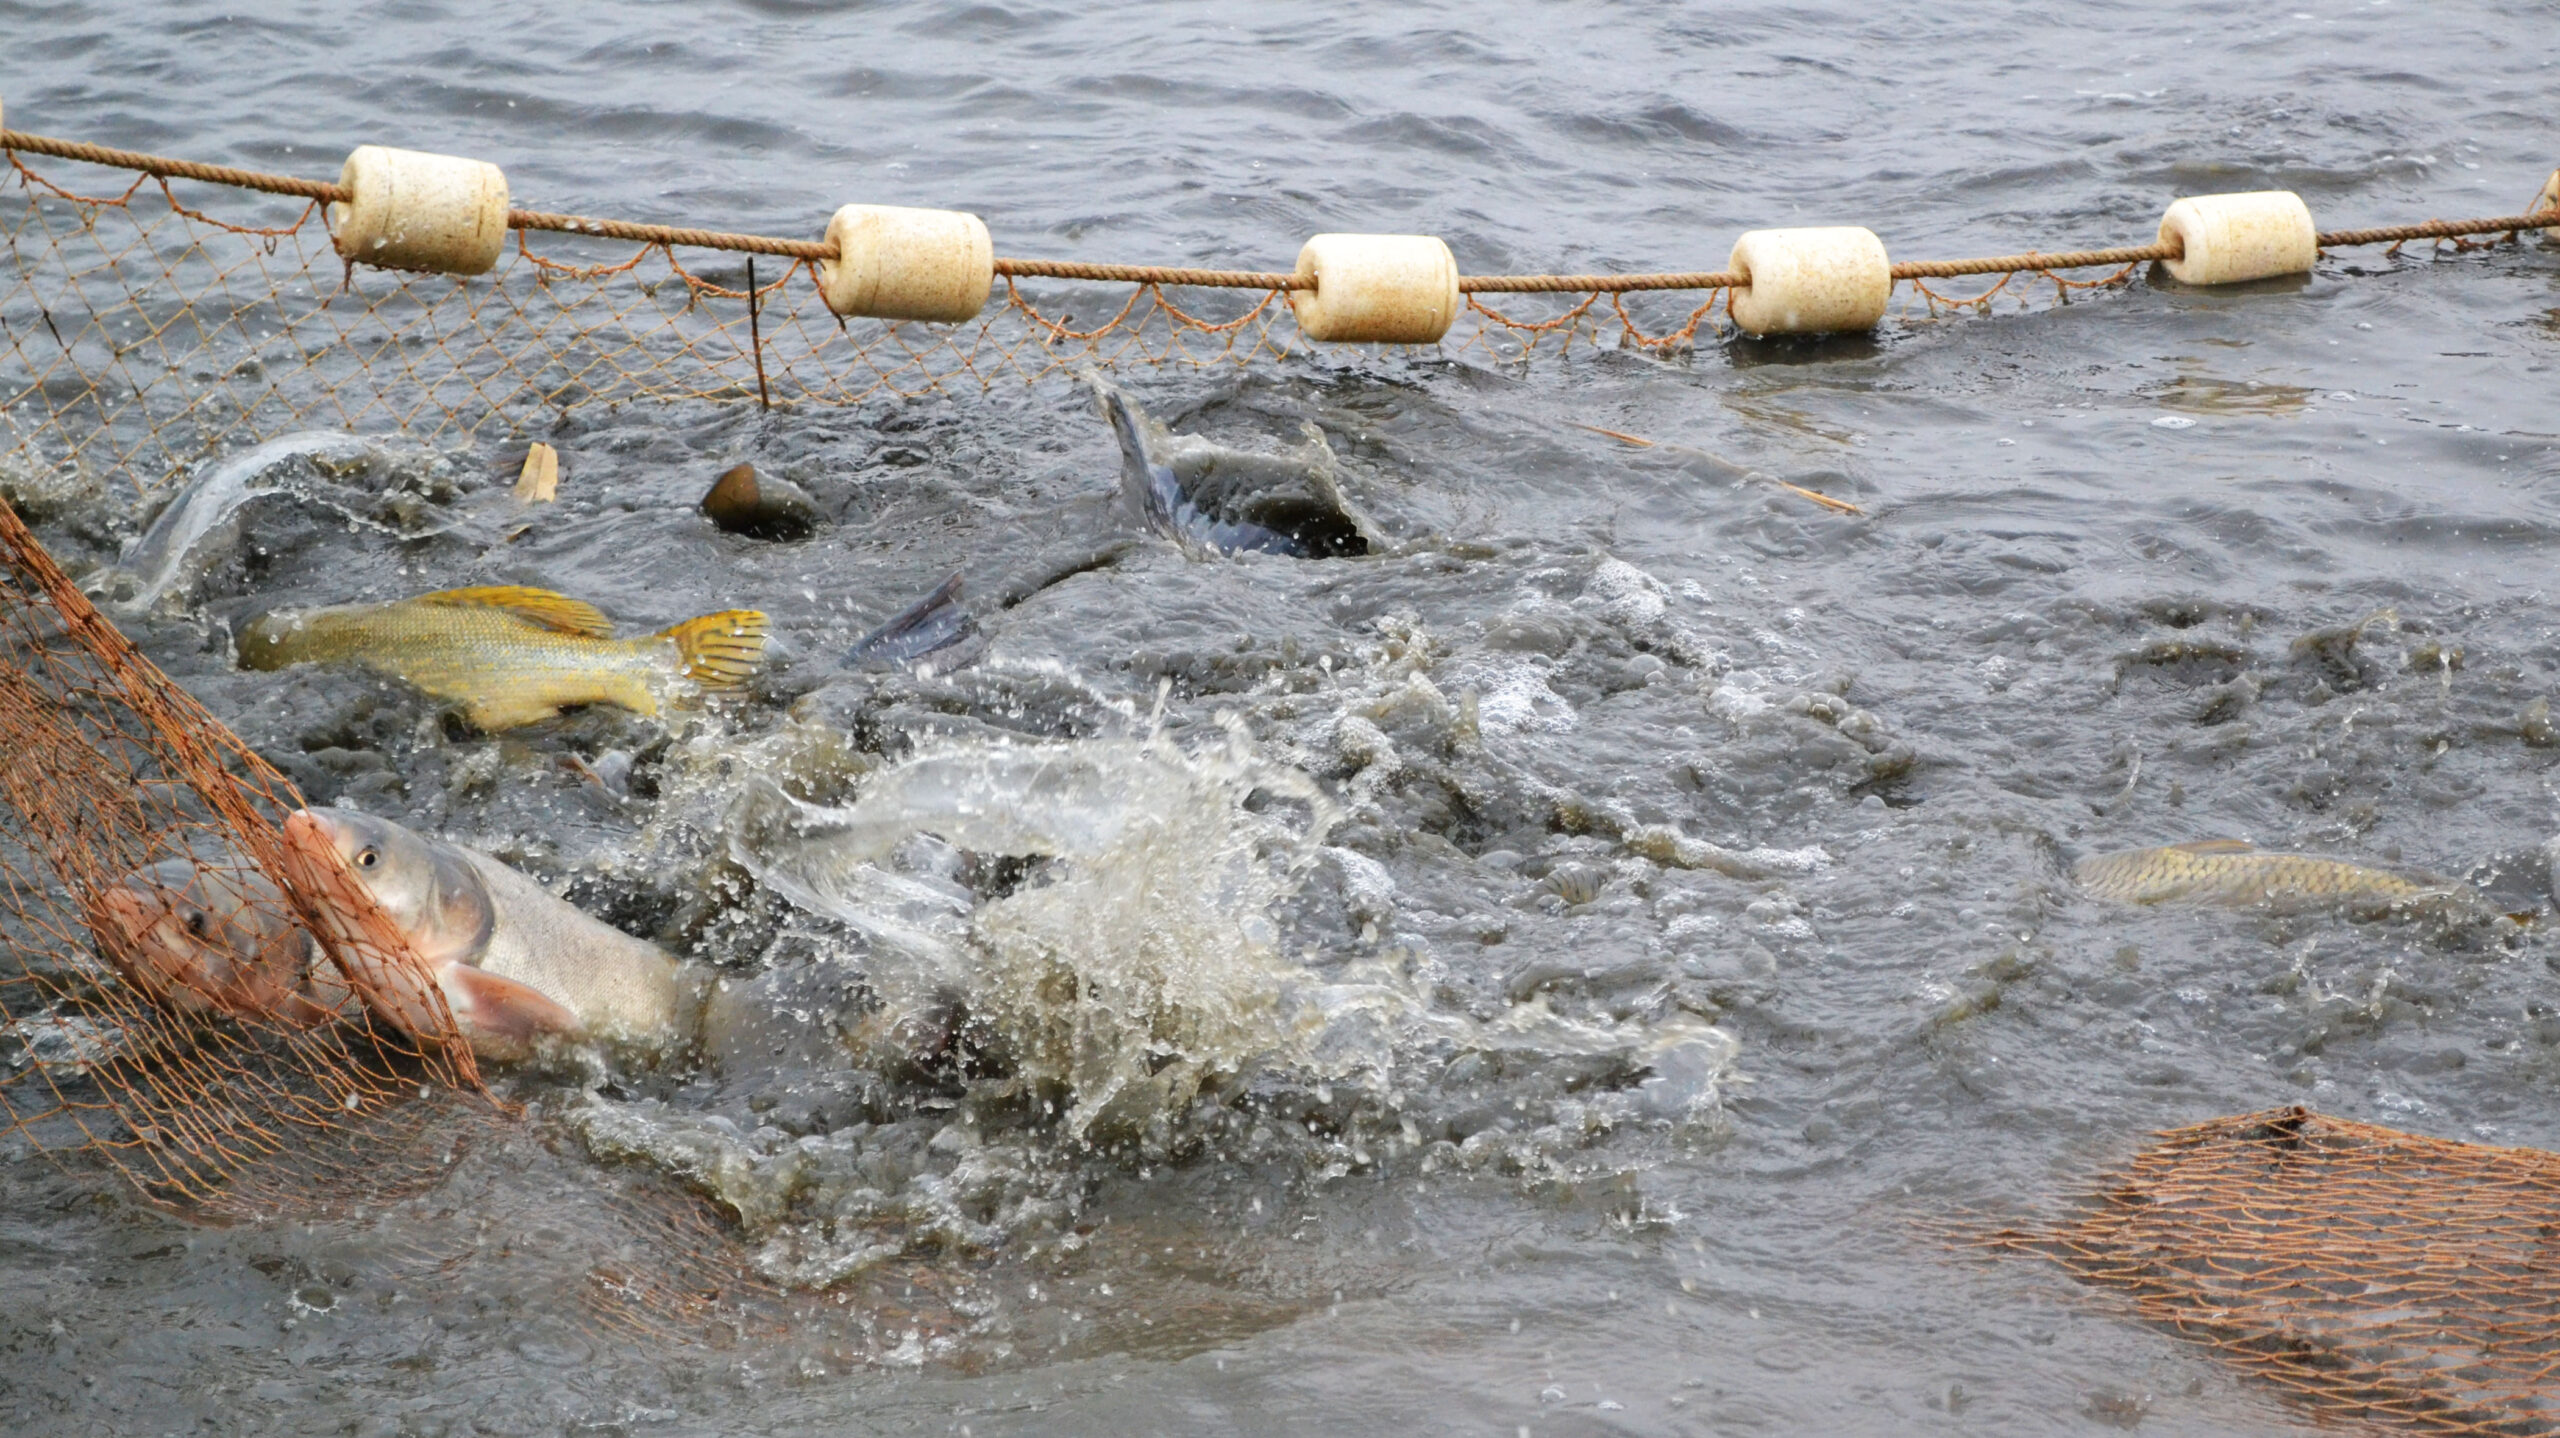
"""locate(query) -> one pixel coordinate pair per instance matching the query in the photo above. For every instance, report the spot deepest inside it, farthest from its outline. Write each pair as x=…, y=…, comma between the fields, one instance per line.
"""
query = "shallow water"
x=2315, y=615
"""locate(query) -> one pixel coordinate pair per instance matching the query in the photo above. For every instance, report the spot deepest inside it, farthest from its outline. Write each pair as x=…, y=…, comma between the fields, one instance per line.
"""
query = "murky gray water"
x=2315, y=615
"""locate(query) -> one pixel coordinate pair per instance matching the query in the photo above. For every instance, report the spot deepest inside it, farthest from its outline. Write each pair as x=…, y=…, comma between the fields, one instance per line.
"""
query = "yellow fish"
x=510, y=655
x=2235, y=874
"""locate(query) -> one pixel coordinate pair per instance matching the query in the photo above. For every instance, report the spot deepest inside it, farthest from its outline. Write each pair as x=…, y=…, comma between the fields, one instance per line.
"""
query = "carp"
x=1212, y=499
x=2235, y=874
x=162, y=558
x=215, y=937
x=515, y=964
x=512, y=655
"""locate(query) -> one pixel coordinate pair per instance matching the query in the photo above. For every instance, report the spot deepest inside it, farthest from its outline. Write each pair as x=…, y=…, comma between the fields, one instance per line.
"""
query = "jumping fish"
x=158, y=560
x=2235, y=874
x=1207, y=497
x=514, y=963
x=208, y=937
x=511, y=655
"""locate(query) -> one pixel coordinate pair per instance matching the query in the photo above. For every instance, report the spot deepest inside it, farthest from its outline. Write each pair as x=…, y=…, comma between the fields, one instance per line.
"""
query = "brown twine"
x=2439, y=229
x=1158, y=275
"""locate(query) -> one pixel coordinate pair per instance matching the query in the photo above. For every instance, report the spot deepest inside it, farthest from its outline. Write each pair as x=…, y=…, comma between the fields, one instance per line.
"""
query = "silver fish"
x=514, y=962
x=158, y=560
x=1212, y=499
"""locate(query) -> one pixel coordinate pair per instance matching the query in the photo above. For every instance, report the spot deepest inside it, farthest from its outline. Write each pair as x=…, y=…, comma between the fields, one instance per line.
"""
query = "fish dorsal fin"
x=533, y=606
x=2216, y=846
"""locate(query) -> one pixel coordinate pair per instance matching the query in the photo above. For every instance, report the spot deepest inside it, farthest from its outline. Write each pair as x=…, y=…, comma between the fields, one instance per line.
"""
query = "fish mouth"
x=321, y=842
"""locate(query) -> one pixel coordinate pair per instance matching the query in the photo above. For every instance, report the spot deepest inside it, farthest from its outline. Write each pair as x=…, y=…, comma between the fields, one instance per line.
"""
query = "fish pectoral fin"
x=2215, y=846
x=491, y=713
x=720, y=651
x=499, y=1017
x=549, y=610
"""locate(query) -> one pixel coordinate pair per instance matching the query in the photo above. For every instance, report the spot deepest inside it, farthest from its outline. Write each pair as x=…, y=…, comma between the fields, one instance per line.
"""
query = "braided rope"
x=819, y=250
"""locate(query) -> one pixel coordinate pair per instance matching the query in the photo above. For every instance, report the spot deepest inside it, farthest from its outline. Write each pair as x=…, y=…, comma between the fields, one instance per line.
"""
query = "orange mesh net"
x=196, y=1086
x=2367, y=1273
x=203, y=1091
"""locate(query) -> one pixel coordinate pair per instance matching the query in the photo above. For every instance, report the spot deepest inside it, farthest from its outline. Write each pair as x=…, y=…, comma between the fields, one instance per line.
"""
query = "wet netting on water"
x=2411, y=1283
x=133, y=822
x=146, y=323
x=156, y=311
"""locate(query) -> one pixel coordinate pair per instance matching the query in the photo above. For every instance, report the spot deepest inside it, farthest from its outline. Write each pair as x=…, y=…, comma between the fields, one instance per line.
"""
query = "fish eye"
x=195, y=922
x=368, y=856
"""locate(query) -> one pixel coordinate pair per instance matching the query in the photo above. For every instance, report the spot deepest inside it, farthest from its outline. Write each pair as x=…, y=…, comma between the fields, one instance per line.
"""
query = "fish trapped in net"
x=2235, y=874
x=513, y=963
x=208, y=937
x=212, y=937
x=1212, y=499
x=512, y=655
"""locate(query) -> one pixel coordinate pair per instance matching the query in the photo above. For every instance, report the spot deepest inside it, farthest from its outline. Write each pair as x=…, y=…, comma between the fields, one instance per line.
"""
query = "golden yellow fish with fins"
x=511, y=655
x=2236, y=874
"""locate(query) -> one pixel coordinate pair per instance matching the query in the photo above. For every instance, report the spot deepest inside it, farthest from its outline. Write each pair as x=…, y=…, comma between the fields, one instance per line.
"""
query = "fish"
x=2235, y=874
x=509, y=654
x=762, y=506
x=1212, y=499
x=514, y=964
x=158, y=560
x=214, y=937
x=933, y=625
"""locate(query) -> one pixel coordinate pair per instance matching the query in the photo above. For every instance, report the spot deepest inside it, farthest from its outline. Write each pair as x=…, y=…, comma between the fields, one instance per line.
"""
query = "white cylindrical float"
x=2230, y=238
x=1376, y=289
x=2549, y=199
x=895, y=263
x=1822, y=280
x=408, y=210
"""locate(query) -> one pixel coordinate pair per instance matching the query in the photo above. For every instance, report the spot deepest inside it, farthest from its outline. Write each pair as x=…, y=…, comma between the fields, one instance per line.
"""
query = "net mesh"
x=2412, y=1283
x=186, y=1083
x=146, y=323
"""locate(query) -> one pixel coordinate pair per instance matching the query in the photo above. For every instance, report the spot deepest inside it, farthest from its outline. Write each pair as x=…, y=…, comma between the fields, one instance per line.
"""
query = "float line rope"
x=818, y=250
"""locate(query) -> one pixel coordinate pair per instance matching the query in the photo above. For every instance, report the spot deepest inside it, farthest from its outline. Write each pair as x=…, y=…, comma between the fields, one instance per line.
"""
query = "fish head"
x=428, y=890
x=203, y=937
x=262, y=641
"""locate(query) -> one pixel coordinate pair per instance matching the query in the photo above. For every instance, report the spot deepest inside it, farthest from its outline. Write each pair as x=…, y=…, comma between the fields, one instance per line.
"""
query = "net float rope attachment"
x=2211, y=217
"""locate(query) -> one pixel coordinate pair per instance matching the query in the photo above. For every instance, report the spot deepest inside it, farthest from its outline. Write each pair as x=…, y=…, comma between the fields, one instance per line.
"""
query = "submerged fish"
x=934, y=625
x=514, y=963
x=215, y=936
x=511, y=655
x=1207, y=497
x=2232, y=873
x=158, y=560
x=762, y=506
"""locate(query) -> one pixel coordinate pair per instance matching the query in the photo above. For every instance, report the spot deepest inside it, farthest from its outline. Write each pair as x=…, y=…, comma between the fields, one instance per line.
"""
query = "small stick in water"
x=1826, y=501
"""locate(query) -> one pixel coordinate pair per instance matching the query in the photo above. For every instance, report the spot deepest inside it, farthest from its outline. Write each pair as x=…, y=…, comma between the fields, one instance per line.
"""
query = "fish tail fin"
x=719, y=651
x=1147, y=480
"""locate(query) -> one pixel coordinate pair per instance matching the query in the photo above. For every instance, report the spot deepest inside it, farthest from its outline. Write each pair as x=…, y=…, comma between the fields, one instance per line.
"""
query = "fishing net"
x=142, y=329
x=146, y=323
x=199, y=1090
x=210, y=1098
x=2408, y=1282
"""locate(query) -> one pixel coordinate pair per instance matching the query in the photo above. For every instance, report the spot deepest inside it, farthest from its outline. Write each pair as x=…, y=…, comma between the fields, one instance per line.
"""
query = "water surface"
x=2156, y=565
